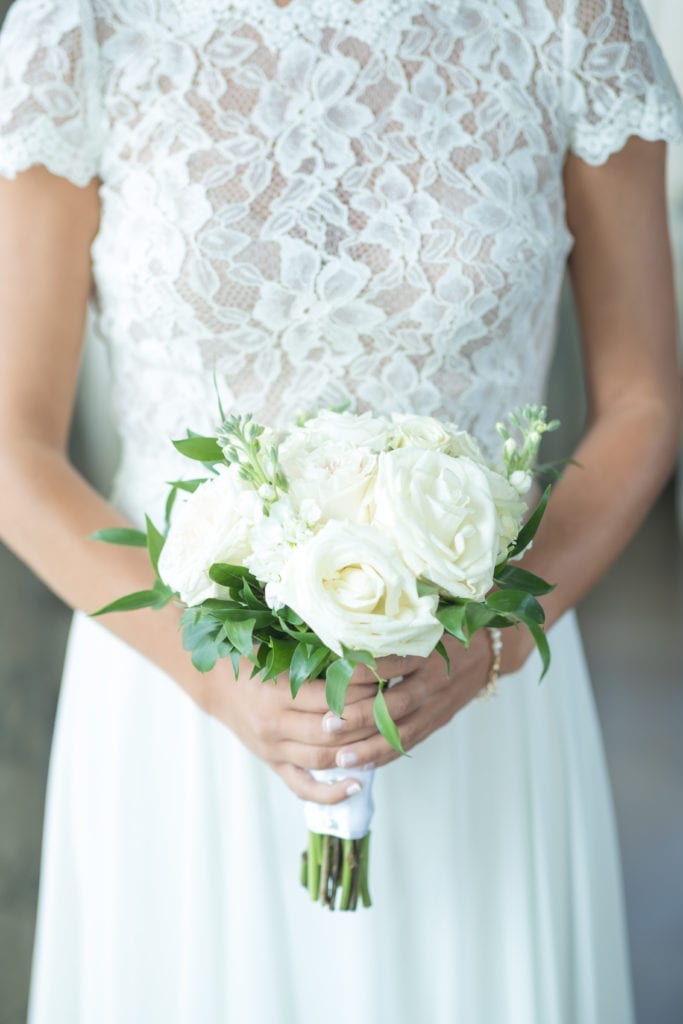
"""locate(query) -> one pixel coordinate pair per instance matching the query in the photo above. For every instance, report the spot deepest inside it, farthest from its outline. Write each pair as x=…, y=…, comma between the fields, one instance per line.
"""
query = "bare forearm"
x=622, y=463
x=47, y=517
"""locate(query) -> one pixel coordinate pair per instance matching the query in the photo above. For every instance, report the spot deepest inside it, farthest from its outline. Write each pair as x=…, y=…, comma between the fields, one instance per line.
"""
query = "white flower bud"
x=521, y=481
x=266, y=492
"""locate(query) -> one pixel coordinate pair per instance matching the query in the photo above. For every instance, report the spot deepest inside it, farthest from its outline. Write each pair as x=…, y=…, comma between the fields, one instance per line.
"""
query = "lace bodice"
x=325, y=201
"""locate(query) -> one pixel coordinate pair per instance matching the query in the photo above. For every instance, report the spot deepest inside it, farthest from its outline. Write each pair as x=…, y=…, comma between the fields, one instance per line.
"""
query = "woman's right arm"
x=48, y=511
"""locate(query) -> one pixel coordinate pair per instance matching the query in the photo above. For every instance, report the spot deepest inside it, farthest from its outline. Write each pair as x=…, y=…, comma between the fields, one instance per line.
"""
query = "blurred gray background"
x=637, y=677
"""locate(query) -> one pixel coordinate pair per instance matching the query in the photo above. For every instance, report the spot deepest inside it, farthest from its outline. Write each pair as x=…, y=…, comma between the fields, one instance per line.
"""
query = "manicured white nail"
x=354, y=788
x=346, y=759
x=332, y=722
x=369, y=766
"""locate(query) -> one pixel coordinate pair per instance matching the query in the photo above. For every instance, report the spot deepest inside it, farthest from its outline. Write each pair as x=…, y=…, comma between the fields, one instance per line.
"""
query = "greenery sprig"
x=530, y=422
x=242, y=442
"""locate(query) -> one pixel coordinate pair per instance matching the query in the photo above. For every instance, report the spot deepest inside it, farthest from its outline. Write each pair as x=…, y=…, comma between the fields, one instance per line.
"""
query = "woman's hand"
x=425, y=700
x=293, y=736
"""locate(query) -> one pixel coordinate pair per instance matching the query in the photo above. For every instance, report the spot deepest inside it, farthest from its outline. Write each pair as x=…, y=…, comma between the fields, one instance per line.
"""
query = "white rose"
x=349, y=584
x=214, y=524
x=337, y=479
x=440, y=513
x=338, y=428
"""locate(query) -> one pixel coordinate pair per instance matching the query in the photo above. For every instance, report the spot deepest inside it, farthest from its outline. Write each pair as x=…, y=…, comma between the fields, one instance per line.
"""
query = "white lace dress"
x=324, y=201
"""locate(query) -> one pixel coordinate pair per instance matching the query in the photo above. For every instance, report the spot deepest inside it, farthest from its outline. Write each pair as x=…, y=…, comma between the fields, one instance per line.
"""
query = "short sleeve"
x=617, y=82
x=49, y=93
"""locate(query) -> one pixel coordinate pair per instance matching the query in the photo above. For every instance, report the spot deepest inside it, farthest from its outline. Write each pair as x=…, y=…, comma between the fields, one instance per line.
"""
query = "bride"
x=369, y=201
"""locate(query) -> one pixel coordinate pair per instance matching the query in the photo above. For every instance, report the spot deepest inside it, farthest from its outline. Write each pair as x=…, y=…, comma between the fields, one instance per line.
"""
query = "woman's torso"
x=328, y=202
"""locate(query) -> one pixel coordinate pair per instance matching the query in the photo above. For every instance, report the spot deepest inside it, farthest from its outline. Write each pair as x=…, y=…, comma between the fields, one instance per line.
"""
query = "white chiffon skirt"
x=169, y=890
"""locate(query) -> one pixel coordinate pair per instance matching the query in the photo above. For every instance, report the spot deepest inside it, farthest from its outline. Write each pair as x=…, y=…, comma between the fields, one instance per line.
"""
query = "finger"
x=306, y=788
x=304, y=755
x=412, y=730
x=325, y=730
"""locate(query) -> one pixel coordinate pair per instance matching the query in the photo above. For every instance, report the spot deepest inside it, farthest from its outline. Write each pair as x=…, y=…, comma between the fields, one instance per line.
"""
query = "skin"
x=623, y=283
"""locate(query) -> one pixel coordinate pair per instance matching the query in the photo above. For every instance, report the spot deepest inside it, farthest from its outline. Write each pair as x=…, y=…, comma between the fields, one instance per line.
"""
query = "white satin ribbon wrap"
x=349, y=819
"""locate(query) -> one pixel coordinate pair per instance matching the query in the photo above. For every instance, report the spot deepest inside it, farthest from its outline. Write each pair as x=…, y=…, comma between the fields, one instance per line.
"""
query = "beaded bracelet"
x=490, y=687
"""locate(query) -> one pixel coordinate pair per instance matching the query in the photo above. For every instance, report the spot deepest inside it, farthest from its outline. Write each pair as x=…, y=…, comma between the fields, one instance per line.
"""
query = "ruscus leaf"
x=514, y=578
x=155, y=543
x=203, y=449
x=542, y=645
x=452, y=617
x=130, y=603
x=385, y=723
x=528, y=531
x=336, y=684
x=123, y=535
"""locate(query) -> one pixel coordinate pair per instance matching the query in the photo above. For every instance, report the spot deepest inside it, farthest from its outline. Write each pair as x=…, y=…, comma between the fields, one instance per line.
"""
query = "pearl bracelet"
x=490, y=687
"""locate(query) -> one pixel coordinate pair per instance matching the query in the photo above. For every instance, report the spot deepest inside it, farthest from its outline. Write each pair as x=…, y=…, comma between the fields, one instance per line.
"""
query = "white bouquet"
x=347, y=538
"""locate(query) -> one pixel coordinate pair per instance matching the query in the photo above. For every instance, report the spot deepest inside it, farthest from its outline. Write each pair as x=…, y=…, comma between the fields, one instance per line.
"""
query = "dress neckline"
x=369, y=20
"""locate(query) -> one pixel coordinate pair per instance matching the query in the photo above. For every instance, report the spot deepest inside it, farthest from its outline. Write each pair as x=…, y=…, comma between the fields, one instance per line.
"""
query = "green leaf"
x=452, y=618
x=155, y=543
x=306, y=660
x=359, y=657
x=516, y=602
x=196, y=632
x=121, y=535
x=241, y=636
x=541, y=642
x=259, y=658
x=385, y=723
x=528, y=531
x=205, y=655
x=235, y=659
x=441, y=649
x=290, y=616
x=170, y=502
x=279, y=657
x=477, y=616
x=252, y=595
x=514, y=578
x=130, y=603
x=228, y=575
x=298, y=669
x=337, y=683
x=203, y=449
x=187, y=485
x=163, y=592
x=425, y=589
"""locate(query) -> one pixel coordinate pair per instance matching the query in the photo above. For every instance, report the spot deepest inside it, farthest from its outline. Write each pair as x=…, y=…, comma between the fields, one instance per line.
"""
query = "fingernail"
x=369, y=766
x=332, y=722
x=346, y=759
x=354, y=788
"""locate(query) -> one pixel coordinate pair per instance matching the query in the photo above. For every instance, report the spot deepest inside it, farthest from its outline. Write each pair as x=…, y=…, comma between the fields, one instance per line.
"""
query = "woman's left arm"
x=621, y=272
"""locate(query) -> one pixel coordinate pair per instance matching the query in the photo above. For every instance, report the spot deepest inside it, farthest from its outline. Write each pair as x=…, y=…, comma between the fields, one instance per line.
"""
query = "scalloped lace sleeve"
x=617, y=81
x=49, y=90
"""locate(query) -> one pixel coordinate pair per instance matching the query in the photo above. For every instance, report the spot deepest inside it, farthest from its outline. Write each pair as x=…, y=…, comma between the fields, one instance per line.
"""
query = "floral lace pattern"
x=327, y=201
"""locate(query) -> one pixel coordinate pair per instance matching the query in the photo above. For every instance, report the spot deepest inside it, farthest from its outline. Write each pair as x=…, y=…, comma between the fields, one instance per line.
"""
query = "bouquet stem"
x=331, y=865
